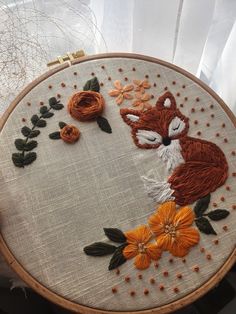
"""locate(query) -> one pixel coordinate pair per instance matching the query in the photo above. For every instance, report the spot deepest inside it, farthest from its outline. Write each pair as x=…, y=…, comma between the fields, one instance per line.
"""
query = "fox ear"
x=166, y=101
x=131, y=117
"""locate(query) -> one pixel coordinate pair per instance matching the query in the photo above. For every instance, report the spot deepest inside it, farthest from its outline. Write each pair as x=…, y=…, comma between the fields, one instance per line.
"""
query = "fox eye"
x=176, y=126
x=148, y=137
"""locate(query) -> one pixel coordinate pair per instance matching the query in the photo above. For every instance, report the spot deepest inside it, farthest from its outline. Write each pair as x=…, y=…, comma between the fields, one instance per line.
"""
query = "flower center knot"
x=141, y=248
x=170, y=229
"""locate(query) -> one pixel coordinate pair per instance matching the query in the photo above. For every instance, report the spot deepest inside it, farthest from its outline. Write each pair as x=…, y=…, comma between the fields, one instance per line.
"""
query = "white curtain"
x=197, y=35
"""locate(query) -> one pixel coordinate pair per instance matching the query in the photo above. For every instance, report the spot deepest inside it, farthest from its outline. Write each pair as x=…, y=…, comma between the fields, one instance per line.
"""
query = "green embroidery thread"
x=25, y=146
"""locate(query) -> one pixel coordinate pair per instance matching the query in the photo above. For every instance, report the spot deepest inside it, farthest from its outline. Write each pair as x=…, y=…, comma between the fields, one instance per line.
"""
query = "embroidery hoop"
x=81, y=308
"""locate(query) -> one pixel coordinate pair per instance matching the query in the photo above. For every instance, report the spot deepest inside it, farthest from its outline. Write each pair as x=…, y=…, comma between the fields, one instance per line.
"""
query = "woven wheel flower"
x=121, y=92
x=173, y=229
x=139, y=248
x=141, y=86
x=86, y=105
x=141, y=101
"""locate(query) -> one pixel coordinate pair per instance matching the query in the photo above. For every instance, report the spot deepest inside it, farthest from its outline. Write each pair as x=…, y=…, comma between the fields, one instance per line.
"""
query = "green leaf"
x=52, y=101
x=57, y=106
x=34, y=133
x=47, y=115
x=117, y=258
x=18, y=160
x=25, y=131
x=218, y=214
x=41, y=123
x=92, y=84
x=43, y=109
x=30, y=145
x=62, y=124
x=99, y=249
x=115, y=235
x=104, y=124
x=29, y=158
x=202, y=205
x=20, y=144
x=55, y=135
x=204, y=225
x=34, y=119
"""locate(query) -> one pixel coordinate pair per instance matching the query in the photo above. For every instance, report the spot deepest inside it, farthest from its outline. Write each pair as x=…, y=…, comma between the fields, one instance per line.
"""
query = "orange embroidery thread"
x=121, y=92
x=203, y=161
x=173, y=229
x=86, y=105
x=139, y=248
x=70, y=134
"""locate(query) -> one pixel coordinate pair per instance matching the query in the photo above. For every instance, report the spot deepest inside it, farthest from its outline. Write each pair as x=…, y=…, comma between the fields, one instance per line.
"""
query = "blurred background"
x=197, y=35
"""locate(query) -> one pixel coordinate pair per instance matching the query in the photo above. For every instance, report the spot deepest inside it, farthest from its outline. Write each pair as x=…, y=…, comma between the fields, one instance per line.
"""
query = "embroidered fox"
x=197, y=167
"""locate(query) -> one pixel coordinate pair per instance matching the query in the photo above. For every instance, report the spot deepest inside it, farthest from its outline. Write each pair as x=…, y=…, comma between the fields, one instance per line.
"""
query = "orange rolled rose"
x=69, y=134
x=86, y=105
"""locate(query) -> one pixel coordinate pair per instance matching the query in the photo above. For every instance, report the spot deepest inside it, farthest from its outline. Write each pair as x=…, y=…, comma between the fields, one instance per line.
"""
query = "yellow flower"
x=173, y=229
x=141, y=101
x=141, y=86
x=121, y=92
x=139, y=247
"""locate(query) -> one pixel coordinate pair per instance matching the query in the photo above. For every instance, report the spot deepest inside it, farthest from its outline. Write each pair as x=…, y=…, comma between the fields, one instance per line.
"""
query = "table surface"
x=58, y=204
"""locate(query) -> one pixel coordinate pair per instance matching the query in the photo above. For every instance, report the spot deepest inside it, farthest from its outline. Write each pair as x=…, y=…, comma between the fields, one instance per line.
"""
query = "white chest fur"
x=171, y=155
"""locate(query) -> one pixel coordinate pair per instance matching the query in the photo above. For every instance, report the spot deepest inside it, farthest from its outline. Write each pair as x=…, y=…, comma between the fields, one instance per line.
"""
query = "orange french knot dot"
x=222, y=199
x=184, y=260
x=208, y=256
x=63, y=84
x=140, y=276
x=152, y=281
x=165, y=273
x=132, y=293
x=161, y=287
x=202, y=250
x=146, y=291
x=171, y=260
x=196, y=269
x=214, y=204
x=233, y=206
x=127, y=279
x=216, y=241
x=156, y=265
x=176, y=289
x=227, y=188
x=114, y=290
x=225, y=228
x=179, y=276
x=117, y=271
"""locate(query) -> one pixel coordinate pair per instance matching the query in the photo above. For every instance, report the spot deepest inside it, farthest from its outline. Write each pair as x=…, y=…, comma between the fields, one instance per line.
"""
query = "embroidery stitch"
x=23, y=159
x=69, y=133
x=121, y=92
x=139, y=247
x=198, y=168
x=89, y=104
x=141, y=101
x=141, y=85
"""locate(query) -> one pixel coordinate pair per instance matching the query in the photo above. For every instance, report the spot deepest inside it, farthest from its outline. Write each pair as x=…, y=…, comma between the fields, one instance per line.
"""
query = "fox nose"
x=166, y=141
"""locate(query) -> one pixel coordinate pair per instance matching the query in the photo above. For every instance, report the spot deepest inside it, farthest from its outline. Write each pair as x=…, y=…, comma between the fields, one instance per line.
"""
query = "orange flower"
x=86, y=105
x=139, y=247
x=121, y=92
x=141, y=86
x=141, y=101
x=70, y=133
x=172, y=228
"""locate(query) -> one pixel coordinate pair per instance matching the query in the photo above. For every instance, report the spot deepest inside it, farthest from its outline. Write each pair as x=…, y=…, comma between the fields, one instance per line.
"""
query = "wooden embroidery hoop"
x=45, y=292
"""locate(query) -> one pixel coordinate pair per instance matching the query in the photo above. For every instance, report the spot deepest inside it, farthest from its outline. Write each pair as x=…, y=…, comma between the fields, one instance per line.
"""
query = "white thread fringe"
x=160, y=192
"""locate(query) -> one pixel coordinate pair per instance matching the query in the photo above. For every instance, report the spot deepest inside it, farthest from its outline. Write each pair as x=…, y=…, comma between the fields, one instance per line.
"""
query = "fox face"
x=157, y=126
